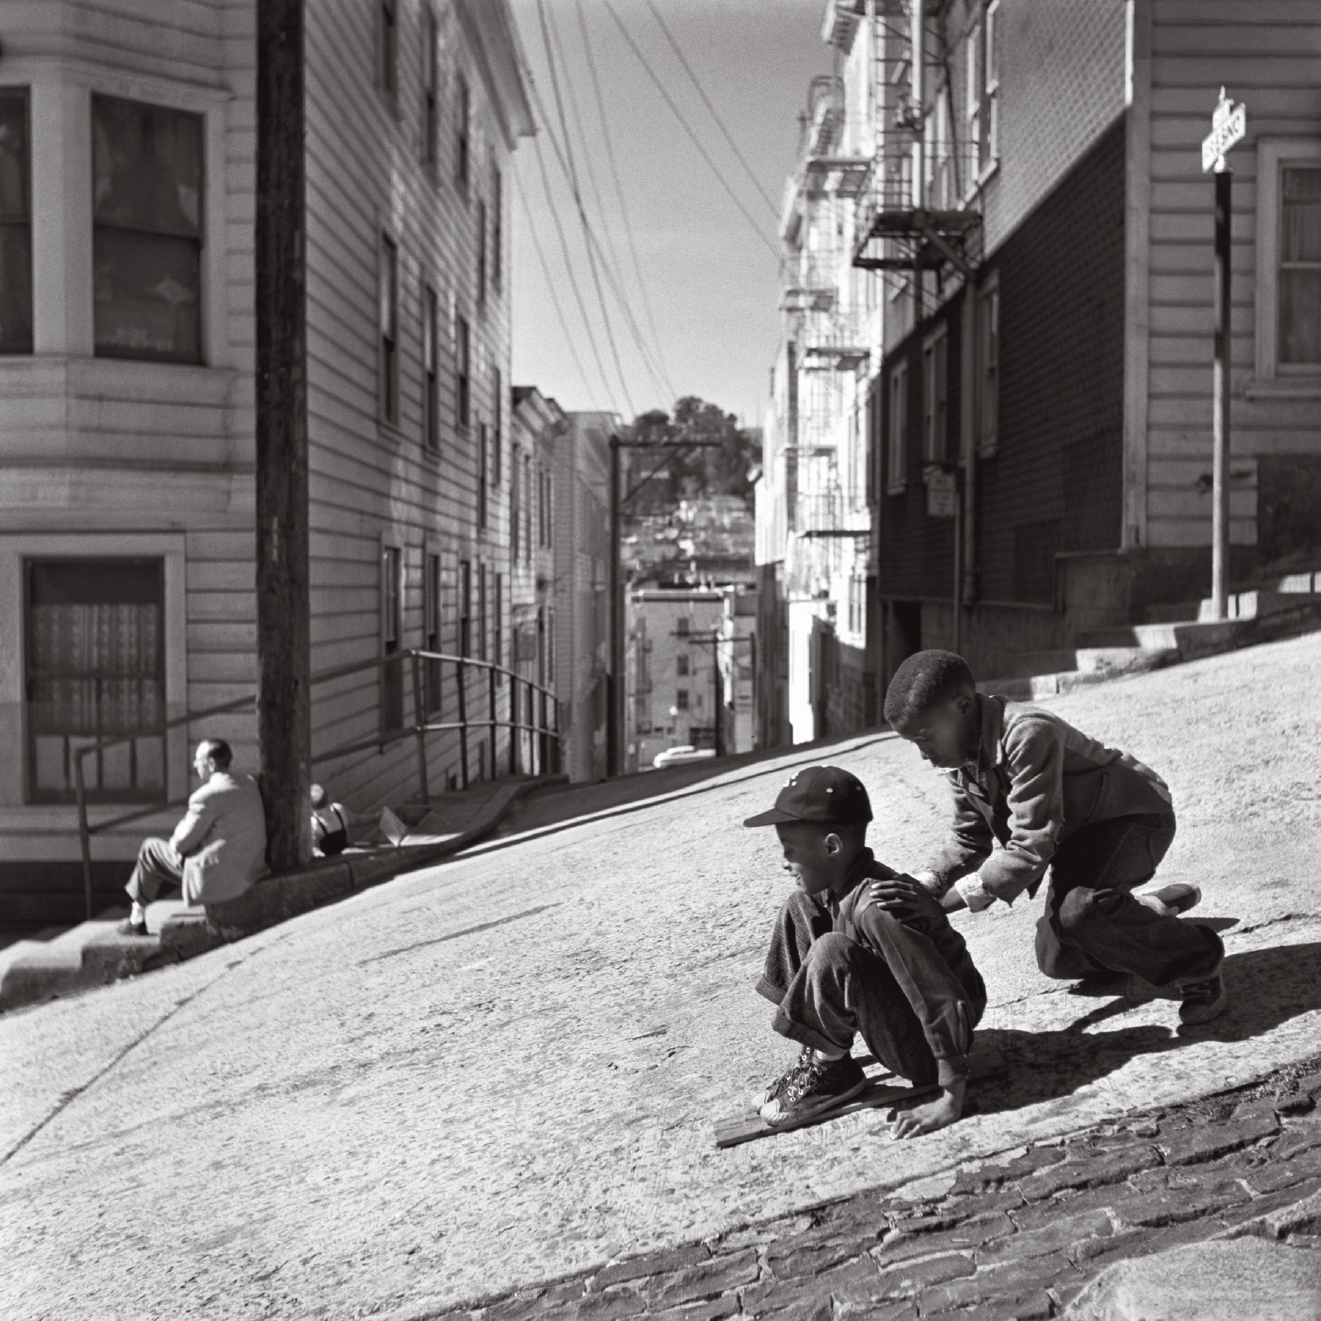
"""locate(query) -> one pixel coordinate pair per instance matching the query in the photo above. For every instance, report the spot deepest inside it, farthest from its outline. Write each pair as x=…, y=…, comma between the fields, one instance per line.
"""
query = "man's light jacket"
x=222, y=839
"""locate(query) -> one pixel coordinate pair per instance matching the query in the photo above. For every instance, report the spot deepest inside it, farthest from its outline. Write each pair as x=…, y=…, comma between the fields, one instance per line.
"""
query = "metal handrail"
x=539, y=700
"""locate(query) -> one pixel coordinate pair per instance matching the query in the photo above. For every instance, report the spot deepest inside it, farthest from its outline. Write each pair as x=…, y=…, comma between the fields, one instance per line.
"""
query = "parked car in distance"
x=678, y=755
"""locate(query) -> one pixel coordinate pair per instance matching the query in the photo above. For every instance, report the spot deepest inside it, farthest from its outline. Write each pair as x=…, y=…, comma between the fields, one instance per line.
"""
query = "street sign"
x=942, y=494
x=1229, y=124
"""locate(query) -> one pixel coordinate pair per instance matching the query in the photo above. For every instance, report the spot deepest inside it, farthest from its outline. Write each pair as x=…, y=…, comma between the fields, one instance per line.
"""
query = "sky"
x=706, y=306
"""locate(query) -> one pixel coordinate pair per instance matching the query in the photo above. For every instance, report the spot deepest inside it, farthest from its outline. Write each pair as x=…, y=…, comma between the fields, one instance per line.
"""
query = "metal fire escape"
x=917, y=205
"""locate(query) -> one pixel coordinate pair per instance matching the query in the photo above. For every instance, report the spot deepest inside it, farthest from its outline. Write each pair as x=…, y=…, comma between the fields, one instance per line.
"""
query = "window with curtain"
x=15, y=223
x=430, y=370
x=1299, y=287
x=392, y=611
x=146, y=231
x=389, y=331
x=462, y=377
x=95, y=667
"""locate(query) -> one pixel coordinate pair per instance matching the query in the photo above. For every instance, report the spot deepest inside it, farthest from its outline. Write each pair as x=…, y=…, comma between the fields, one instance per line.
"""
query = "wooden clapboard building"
x=127, y=363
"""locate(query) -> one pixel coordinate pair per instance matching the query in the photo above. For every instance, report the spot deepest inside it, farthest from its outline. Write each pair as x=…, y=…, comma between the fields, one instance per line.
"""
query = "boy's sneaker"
x=1202, y=1001
x=809, y=1086
x=1171, y=900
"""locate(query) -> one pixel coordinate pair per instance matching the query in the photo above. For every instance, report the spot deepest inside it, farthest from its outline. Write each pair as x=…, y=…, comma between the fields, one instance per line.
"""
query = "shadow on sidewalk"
x=1267, y=987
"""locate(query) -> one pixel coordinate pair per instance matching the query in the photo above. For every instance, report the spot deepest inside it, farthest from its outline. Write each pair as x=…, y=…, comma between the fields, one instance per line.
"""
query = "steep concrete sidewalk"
x=96, y=952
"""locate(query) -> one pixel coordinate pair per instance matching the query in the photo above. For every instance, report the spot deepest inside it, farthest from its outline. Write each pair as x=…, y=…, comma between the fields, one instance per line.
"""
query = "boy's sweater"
x=932, y=965
x=1033, y=782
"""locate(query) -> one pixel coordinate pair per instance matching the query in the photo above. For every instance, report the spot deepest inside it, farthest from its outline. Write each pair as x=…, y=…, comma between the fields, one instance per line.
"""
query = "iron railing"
x=539, y=707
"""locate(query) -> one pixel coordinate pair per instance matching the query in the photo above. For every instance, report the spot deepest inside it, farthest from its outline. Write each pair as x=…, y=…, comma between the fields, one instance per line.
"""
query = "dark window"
x=497, y=427
x=483, y=475
x=388, y=52
x=1300, y=268
x=465, y=608
x=515, y=510
x=95, y=653
x=430, y=370
x=15, y=223
x=431, y=614
x=681, y=626
x=462, y=129
x=481, y=252
x=482, y=639
x=389, y=330
x=527, y=502
x=430, y=91
x=681, y=665
x=498, y=621
x=681, y=699
x=146, y=231
x=497, y=225
x=462, y=379
x=392, y=610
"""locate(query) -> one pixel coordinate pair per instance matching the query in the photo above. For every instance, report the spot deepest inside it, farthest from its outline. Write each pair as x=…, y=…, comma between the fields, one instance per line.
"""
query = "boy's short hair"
x=924, y=680
x=318, y=795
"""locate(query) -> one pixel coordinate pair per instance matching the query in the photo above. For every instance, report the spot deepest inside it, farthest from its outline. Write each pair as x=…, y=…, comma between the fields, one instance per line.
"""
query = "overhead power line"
x=582, y=213
x=715, y=114
x=568, y=268
x=569, y=338
x=604, y=119
x=612, y=280
x=697, y=142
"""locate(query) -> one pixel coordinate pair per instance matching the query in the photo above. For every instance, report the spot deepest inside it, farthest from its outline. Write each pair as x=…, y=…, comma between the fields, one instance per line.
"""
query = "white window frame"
x=987, y=419
x=896, y=403
x=981, y=90
x=1273, y=155
x=935, y=396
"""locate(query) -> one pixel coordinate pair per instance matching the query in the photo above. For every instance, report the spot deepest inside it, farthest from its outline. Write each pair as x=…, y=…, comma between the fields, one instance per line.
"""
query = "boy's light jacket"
x=1033, y=782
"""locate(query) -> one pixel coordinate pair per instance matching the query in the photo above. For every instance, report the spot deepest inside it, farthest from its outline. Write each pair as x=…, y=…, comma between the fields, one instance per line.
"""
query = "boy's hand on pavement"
x=903, y=897
x=927, y=1118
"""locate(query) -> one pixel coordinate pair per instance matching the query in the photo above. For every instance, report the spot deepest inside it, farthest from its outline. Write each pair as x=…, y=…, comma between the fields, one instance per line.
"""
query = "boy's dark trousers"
x=1093, y=924
x=829, y=986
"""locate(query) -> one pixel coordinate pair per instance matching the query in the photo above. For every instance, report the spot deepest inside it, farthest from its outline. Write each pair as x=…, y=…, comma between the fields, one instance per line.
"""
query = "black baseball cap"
x=822, y=794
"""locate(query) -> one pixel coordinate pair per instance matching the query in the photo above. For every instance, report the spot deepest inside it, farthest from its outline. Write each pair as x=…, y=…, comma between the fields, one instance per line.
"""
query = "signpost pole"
x=1220, y=401
x=1228, y=126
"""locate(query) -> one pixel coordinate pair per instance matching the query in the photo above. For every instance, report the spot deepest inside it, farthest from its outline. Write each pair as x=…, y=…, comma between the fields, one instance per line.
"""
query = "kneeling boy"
x=844, y=959
x=1053, y=797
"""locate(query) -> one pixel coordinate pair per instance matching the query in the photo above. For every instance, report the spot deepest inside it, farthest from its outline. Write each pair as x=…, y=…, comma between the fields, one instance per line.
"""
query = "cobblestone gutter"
x=1017, y=1238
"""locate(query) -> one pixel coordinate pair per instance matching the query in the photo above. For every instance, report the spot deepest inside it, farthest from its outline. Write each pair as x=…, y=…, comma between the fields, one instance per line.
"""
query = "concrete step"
x=88, y=954
x=1260, y=601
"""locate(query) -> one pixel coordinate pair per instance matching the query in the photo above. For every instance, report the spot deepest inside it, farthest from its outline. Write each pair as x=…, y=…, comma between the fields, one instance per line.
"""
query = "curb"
x=107, y=956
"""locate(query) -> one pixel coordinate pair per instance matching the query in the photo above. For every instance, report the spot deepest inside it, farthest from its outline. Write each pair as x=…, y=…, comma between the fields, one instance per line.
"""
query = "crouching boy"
x=1053, y=797
x=861, y=949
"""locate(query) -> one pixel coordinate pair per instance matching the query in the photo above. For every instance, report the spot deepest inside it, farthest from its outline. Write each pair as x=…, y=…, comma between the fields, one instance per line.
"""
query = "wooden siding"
x=1267, y=53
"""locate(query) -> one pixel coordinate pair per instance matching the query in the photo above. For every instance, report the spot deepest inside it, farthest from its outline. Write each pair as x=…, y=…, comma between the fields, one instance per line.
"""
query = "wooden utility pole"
x=283, y=643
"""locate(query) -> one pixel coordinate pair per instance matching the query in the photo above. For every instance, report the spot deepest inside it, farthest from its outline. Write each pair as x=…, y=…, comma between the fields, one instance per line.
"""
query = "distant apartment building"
x=1020, y=183
x=126, y=355
x=581, y=502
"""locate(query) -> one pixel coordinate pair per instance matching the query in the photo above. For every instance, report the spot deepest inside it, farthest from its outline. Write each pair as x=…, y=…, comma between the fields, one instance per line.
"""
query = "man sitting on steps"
x=216, y=851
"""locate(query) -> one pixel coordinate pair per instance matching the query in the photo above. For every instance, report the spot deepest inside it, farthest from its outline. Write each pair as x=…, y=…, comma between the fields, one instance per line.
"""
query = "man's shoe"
x=1202, y=1001
x=810, y=1086
x=1173, y=899
x=1102, y=983
x=130, y=928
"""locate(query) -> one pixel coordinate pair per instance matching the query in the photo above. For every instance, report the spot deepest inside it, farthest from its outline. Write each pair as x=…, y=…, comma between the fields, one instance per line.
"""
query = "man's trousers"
x=1093, y=924
x=158, y=867
x=829, y=987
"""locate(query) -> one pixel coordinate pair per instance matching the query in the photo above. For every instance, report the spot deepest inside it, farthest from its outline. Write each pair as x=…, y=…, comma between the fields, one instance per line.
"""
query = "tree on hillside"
x=688, y=474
